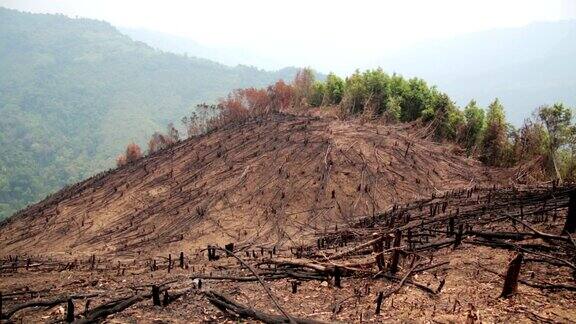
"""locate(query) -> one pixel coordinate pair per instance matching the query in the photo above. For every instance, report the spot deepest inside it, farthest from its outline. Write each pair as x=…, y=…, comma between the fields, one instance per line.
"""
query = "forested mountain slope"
x=73, y=92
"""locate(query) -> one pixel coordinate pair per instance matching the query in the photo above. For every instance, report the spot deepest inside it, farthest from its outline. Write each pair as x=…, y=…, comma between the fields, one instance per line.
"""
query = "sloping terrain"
x=325, y=218
x=74, y=92
x=274, y=180
x=480, y=254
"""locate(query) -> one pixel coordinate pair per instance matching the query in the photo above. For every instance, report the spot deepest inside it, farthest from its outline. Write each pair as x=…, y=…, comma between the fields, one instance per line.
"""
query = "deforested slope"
x=273, y=180
x=73, y=92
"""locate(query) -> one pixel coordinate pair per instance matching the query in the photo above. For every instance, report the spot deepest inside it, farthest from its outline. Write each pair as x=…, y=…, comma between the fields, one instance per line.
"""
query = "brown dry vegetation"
x=292, y=192
x=272, y=180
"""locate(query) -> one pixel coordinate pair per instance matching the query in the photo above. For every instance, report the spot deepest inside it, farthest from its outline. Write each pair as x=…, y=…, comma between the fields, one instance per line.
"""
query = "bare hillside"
x=303, y=219
x=274, y=180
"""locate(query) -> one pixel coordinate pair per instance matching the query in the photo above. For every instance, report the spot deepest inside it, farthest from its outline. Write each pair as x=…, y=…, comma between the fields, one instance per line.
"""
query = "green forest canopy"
x=74, y=91
x=549, y=136
x=546, y=141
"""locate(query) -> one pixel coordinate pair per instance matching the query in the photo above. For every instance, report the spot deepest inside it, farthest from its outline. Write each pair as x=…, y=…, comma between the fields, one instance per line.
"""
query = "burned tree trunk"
x=396, y=253
x=511, y=280
x=70, y=311
x=337, y=277
x=378, y=249
x=379, y=302
x=156, y=295
x=229, y=247
x=459, y=234
x=294, y=287
x=166, y=300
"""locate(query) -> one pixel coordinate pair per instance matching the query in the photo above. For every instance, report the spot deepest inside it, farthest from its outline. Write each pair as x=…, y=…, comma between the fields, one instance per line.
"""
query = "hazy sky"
x=322, y=34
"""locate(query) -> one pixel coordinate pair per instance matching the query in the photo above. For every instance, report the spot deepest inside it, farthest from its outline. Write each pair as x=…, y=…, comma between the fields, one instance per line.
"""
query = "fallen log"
x=517, y=236
x=354, y=249
x=300, y=263
x=11, y=295
x=241, y=279
x=45, y=303
x=435, y=245
x=512, y=246
x=266, y=288
x=267, y=276
x=230, y=307
x=400, y=284
x=116, y=306
x=540, y=234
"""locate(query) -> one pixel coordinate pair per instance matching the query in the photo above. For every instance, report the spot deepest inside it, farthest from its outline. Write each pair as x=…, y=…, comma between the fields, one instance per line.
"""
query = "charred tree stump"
x=450, y=226
x=211, y=253
x=169, y=262
x=166, y=299
x=295, y=285
x=458, y=238
x=379, y=302
x=229, y=247
x=378, y=249
x=156, y=295
x=181, y=260
x=570, y=225
x=337, y=277
x=93, y=262
x=511, y=280
x=70, y=311
x=87, y=305
x=396, y=253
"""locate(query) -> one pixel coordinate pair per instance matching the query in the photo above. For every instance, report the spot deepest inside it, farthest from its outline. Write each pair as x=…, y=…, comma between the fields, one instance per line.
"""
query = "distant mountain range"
x=525, y=67
x=231, y=56
x=74, y=92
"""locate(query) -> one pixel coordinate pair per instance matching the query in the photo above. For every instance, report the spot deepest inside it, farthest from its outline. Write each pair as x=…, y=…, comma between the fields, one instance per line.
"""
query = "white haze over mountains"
x=522, y=51
x=524, y=67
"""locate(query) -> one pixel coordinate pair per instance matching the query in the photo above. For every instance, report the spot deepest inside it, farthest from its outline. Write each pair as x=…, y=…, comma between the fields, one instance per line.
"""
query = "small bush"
x=121, y=160
x=133, y=152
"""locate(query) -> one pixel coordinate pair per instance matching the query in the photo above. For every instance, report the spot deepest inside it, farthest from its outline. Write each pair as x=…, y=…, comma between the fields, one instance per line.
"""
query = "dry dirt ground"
x=274, y=180
x=470, y=294
x=305, y=200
